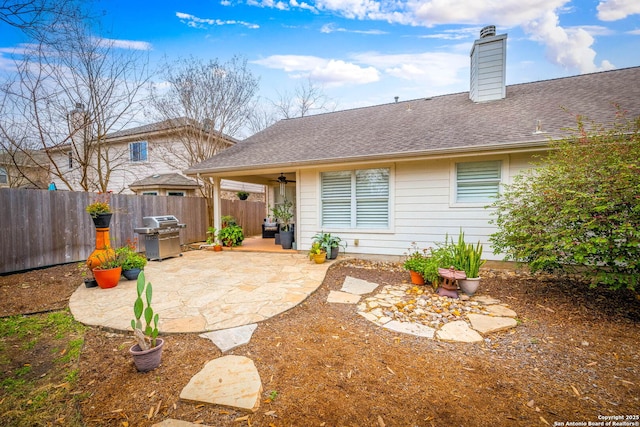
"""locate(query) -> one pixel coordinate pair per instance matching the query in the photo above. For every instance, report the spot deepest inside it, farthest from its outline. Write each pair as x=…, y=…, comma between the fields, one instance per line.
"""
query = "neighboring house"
x=382, y=177
x=19, y=170
x=149, y=159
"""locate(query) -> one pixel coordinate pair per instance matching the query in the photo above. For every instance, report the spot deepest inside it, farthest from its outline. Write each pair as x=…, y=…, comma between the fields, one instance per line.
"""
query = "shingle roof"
x=447, y=123
x=165, y=125
x=166, y=180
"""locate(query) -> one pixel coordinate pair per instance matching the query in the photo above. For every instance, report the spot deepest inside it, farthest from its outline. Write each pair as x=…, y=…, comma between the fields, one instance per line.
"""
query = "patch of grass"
x=28, y=395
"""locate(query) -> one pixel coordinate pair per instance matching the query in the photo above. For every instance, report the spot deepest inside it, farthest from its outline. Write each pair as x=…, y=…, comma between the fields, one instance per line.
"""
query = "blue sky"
x=365, y=52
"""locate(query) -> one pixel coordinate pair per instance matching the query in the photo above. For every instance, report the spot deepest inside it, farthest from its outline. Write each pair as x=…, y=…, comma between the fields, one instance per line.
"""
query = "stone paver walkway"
x=205, y=291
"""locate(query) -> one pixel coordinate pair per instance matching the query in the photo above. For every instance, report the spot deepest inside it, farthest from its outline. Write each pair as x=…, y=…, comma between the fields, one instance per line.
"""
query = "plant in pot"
x=100, y=211
x=147, y=352
x=212, y=239
x=242, y=195
x=231, y=235
x=416, y=262
x=108, y=272
x=442, y=256
x=284, y=213
x=331, y=244
x=471, y=262
x=132, y=262
x=317, y=253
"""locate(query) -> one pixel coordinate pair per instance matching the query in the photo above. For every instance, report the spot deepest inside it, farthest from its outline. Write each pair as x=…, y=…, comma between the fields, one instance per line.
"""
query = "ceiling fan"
x=283, y=181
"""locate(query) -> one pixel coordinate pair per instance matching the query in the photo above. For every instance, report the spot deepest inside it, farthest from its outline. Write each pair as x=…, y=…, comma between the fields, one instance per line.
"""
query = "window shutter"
x=372, y=198
x=336, y=199
x=477, y=181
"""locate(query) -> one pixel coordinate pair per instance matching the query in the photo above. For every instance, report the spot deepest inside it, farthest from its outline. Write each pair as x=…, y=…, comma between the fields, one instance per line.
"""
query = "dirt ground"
x=573, y=358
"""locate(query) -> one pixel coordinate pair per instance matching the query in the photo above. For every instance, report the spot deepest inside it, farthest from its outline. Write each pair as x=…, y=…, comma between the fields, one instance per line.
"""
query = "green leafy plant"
x=467, y=257
x=100, y=206
x=130, y=258
x=231, y=235
x=110, y=259
x=578, y=210
x=211, y=235
x=417, y=259
x=316, y=249
x=146, y=338
x=242, y=195
x=328, y=242
x=283, y=213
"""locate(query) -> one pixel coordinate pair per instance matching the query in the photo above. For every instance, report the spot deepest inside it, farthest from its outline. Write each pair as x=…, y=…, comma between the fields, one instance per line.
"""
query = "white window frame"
x=503, y=170
x=352, y=200
x=146, y=151
x=4, y=176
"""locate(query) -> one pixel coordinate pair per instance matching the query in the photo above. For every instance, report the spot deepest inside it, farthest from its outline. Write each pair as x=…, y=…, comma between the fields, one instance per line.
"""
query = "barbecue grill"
x=161, y=236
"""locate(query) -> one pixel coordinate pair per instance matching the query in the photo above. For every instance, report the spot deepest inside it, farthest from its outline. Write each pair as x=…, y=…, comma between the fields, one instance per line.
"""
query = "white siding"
x=488, y=67
x=421, y=211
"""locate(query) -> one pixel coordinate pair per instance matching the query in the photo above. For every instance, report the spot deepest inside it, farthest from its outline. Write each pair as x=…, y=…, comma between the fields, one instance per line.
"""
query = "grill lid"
x=164, y=221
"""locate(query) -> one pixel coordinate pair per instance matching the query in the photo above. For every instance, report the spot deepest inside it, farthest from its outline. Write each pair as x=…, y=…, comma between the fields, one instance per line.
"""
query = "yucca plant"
x=146, y=339
x=473, y=260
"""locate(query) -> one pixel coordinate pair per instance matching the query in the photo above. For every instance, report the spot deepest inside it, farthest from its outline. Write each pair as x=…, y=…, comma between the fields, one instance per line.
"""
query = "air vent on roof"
x=488, y=31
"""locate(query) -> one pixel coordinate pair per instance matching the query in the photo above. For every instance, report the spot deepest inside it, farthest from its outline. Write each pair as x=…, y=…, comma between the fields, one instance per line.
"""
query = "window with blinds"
x=355, y=199
x=138, y=151
x=478, y=182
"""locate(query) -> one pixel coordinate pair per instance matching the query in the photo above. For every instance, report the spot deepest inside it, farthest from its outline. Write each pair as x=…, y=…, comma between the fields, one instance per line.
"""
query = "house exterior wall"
x=488, y=68
x=422, y=208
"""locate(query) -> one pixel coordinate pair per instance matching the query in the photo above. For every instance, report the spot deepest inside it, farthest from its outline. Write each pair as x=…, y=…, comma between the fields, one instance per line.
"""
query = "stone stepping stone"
x=227, y=339
x=177, y=423
x=458, y=331
x=488, y=324
x=410, y=328
x=231, y=381
x=357, y=286
x=343, y=297
x=486, y=300
x=500, y=310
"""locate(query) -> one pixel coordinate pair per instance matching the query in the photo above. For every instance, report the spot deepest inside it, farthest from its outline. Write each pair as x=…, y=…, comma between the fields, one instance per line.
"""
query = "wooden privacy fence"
x=40, y=228
x=249, y=215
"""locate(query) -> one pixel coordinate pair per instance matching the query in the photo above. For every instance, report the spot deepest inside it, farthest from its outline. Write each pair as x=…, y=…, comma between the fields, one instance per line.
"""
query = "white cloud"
x=432, y=68
x=331, y=28
x=614, y=10
x=330, y=72
x=124, y=44
x=634, y=32
x=570, y=48
x=195, y=22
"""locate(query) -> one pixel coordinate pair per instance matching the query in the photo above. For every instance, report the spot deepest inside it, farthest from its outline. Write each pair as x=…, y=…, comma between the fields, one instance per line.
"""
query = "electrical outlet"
x=356, y=242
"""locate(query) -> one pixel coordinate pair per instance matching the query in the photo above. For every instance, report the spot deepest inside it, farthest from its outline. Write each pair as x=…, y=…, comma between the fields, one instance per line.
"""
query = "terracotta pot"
x=147, y=360
x=469, y=285
x=416, y=278
x=217, y=248
x=107, y=278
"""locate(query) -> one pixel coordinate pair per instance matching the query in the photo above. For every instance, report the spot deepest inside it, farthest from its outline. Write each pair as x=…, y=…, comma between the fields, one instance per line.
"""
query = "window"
x=355, y=199
x=4, y=177
x=138, y=151
x=478, y=182
x=150, y=193
x=175, y=193
x=70, y=159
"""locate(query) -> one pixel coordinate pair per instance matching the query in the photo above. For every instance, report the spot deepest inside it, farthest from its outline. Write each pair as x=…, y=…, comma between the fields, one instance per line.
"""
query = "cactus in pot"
x=146, y=338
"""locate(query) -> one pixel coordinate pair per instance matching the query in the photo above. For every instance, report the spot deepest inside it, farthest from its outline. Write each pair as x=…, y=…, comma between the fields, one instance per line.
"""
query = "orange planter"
x=416, y=278
x=107, y=278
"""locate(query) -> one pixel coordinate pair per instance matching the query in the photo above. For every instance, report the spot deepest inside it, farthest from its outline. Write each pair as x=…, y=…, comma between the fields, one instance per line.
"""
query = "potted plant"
x=331, y=244
x=100, y=212
x=243, y=195
x=284, y=213
x=147, y=352
x=108, y=272
x=317, y=253
x=212, y=239
x=132, y=262
x=470, y=263
x=231, y=233
x=416, y=263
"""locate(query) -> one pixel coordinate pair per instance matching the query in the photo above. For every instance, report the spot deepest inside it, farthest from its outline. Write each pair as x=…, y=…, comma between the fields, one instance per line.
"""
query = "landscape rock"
x=458, y=331
x=343, y=297
x=357, y=286
x=488, y=324
x=227, y=339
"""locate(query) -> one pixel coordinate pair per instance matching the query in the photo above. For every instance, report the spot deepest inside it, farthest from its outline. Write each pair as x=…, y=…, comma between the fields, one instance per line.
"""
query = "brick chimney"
x=488, y=66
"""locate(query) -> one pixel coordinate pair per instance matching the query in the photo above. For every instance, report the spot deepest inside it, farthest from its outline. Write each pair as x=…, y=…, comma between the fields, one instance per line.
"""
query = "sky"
x=366, y=52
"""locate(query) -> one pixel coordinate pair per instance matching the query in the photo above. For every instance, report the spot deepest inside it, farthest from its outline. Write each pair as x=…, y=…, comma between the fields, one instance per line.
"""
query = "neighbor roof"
x=442, y=124
x=173, y=180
